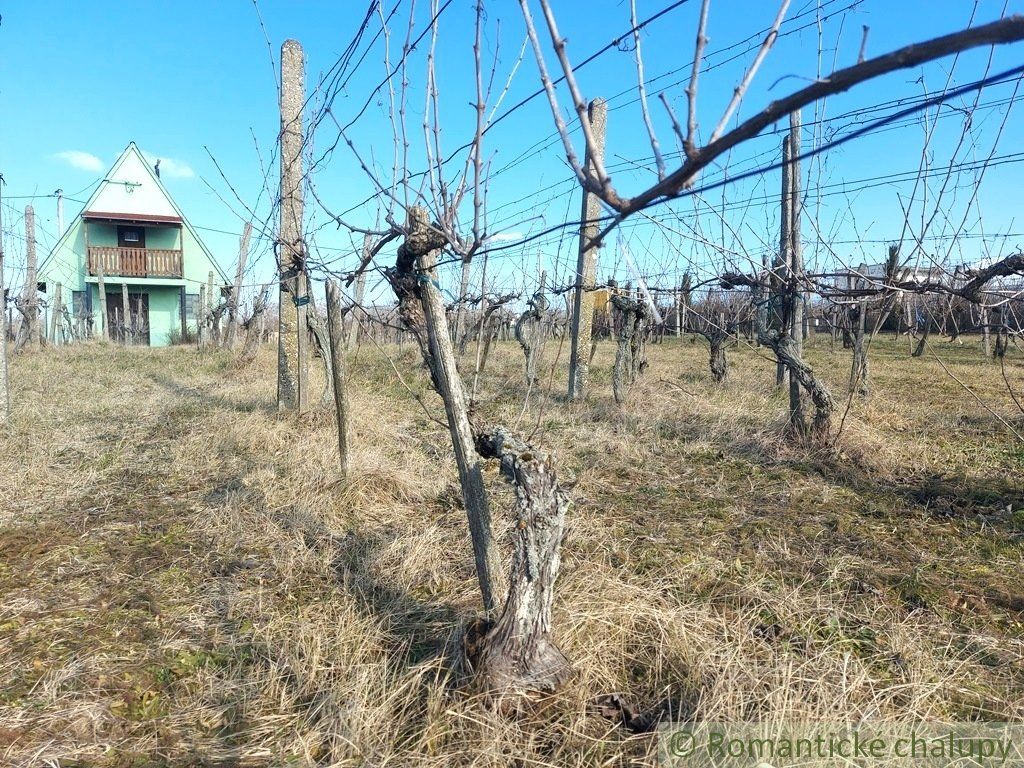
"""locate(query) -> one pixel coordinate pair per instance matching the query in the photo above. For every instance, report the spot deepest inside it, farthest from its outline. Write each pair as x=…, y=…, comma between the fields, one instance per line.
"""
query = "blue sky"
x=78, y=82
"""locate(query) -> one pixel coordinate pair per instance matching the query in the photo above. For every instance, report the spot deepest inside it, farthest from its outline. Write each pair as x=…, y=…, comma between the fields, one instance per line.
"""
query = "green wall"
x=104, y=235
x=156, y=237
x=164, y=309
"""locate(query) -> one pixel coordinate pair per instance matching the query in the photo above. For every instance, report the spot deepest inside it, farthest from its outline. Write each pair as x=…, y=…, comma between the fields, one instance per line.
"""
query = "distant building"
x=134, y=232
x=873, y=275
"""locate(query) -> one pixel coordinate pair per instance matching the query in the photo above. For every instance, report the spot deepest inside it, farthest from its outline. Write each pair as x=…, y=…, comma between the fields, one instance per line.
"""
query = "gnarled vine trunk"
x=517, y=653
x=859, y=375
x=922, y=343
x=784, y=348
x=529, y=332
x=631, y=354
x=253, y=330
x=718, y=362
x=514, y=652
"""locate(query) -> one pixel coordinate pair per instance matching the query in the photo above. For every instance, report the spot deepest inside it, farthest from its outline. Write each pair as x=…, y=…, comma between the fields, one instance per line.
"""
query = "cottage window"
x=131, y=237
x=191, y=305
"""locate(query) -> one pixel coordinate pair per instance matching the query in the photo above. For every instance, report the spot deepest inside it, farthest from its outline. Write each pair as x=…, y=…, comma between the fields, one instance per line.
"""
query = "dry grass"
x=184, y=580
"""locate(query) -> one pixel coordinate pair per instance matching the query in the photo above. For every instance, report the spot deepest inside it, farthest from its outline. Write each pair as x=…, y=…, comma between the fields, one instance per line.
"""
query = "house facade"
x=131, y=234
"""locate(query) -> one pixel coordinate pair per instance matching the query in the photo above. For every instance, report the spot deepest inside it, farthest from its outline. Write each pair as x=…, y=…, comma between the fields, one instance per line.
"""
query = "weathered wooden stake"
x=5, y=390
x=986, y=336
x=586, y=264
x=422, y=312
x=31, y=294
x=336, y=331
x=461, y=332
x=208, y=311
x=453, y=392
x=781, y=265
x=236, y=290
x=102, y=290
x=126, y=314
x=686, y=291
x=55, y=316
x=679, y=312
x=796, y=270
x=860, y=373
x=201, y=334
x=353, y=331
x=292, y=352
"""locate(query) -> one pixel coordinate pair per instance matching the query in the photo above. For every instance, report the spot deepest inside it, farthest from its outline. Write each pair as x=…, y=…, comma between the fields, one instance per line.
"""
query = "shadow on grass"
x=998, y=501
x=417, y=630
x=247, y=405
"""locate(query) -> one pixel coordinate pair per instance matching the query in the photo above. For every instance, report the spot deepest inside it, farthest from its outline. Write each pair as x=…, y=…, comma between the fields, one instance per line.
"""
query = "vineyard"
x=201, y=587
x=559, y=395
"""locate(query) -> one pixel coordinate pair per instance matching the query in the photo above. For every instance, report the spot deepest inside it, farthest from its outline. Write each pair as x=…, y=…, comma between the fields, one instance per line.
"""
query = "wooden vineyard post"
x=31, y=293
x=56, y=313
x=780, y=278
x=201, y=318
x=586, y=265
x=5, y=391
x=453, y=392
x=102, y=289
x=796, y=270
x=336, y=332
x=211, y=338
x=126, y=315
x=236, y=289
x=422, y=312
x=292, y=362
x=353, y=333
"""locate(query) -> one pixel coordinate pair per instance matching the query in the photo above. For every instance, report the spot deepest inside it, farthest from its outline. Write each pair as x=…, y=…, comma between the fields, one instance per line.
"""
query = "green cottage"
x=135, y=233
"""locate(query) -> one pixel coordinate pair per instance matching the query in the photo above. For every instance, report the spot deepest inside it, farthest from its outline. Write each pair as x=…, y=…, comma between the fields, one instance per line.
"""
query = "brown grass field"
x=185, y=581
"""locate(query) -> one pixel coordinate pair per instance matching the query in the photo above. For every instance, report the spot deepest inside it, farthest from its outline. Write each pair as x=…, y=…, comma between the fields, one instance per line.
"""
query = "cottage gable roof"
x=131, y=187
x=131, y=191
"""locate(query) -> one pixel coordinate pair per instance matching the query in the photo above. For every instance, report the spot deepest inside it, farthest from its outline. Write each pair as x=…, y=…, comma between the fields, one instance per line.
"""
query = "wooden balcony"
x=134, y=262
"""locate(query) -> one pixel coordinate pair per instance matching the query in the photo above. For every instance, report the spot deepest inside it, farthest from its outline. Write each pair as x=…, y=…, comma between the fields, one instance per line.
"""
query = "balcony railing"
x=135, y=262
